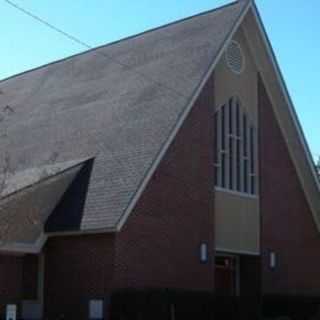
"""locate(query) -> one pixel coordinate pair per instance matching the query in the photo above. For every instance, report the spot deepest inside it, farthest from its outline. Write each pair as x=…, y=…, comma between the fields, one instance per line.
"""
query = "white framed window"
x=235, y=149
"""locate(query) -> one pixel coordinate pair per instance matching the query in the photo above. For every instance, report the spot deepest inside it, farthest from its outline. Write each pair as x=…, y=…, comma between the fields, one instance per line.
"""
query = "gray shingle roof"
x=117, y=103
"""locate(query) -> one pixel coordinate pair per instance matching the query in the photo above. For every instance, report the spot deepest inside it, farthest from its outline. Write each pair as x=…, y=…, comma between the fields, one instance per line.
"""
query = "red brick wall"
x=18, y=280
x=10, y=281
x=288, y=227
x=159, y=244
x=77, y=269
x=30, y=277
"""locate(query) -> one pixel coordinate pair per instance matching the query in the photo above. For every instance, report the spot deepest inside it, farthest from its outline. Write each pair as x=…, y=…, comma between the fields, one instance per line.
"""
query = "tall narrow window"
x=223, y=147
x=223, y=125
x=223, y=167
x=245, y=138
x=230, y=117
x=231, y=173
x=216, y=141
x=236, y=150
x=252, y=161
x=230, y=144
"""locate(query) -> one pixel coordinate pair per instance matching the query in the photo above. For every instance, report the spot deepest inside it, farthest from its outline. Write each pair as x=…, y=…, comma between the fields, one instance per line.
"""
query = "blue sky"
x=293, y=27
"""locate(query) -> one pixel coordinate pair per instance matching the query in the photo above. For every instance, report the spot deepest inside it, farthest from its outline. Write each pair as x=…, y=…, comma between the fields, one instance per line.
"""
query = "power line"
x=87, y=46
x=69, y=36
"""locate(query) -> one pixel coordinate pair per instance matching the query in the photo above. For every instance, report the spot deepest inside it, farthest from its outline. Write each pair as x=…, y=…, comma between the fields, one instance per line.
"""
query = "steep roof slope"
x=117, y=103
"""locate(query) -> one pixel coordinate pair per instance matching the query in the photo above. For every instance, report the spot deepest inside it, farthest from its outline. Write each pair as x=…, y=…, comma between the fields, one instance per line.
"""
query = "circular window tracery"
x=234, y=57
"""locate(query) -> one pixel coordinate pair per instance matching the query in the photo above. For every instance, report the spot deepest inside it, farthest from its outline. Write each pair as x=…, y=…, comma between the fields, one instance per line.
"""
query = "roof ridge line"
x=119, y=40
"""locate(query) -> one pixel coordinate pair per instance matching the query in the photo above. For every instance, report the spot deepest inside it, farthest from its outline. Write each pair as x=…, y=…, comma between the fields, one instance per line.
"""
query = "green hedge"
x=295, y=307
x=158, y=304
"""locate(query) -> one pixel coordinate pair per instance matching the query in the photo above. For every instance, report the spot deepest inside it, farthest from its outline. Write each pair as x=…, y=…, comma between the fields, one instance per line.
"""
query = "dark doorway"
x=249, y=276
x=226, y=275
x=237, y=282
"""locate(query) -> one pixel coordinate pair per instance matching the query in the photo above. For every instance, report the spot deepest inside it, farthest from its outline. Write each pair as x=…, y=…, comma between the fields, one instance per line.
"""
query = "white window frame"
x=229, y=138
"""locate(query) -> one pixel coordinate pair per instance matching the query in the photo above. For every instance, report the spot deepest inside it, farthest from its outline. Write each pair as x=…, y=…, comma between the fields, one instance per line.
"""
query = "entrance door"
x=226, y=275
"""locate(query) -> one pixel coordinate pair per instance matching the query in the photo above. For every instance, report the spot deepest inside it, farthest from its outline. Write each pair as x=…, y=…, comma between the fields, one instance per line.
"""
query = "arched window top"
x=235, y=148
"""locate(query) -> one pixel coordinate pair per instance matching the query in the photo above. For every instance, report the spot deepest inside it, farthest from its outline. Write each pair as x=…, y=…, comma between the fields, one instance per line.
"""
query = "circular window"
x=234, y=57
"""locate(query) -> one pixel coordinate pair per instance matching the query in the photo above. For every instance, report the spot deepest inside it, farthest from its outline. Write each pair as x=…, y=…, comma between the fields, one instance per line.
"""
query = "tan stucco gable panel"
x=238, y=223
x=237, y=215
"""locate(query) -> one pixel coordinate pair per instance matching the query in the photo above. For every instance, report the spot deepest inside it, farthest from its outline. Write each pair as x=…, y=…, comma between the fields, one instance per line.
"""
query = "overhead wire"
x=87, y=46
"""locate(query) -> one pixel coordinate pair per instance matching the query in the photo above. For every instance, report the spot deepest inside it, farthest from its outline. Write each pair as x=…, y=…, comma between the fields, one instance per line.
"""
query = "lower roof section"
x=25, y=210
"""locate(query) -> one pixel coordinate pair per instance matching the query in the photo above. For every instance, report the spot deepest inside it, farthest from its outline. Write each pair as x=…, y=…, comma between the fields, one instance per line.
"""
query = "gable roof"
x=119, y=103
x=124, y=103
